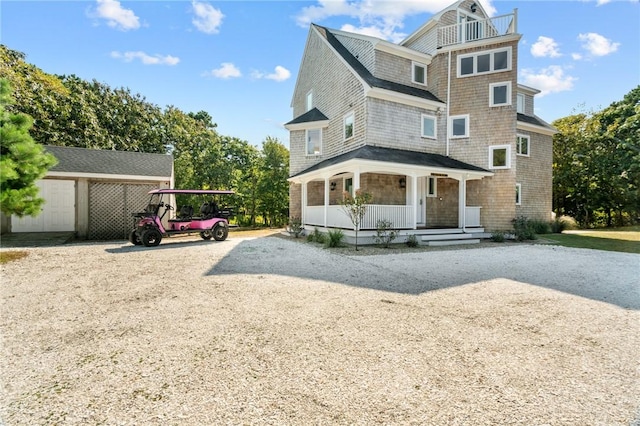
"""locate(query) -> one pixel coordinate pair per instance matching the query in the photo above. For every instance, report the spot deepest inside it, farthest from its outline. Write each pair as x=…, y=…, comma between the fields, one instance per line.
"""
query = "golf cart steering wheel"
x=168, y=206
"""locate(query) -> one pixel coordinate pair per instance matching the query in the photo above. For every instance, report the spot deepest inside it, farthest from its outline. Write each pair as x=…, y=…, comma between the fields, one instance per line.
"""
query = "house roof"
x=392, y=155
x=312, y=115
x=530, y=119
x=364, y=73
x=95, y=161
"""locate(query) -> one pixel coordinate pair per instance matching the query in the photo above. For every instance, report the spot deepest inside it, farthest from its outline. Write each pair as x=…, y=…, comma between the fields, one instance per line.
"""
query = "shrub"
x=523, y=229
x=334, y=238
x=385, y=233
x=563, y=223
x=412, y=241
x=316, y=236
x=540, y=226
x=295, y=227
x=498, y=236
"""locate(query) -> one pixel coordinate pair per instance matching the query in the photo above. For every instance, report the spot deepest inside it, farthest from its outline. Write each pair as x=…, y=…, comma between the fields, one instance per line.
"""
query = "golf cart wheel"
x=220, y=232
x=206, y=235
x=151, y=237
x=134, y=239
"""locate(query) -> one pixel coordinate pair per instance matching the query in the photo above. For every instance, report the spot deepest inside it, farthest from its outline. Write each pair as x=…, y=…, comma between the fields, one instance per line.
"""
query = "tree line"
x=70, y=111
x=596, y=164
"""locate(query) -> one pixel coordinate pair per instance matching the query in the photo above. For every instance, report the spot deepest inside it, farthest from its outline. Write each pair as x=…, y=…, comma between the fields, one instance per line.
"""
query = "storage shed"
x=93, y=192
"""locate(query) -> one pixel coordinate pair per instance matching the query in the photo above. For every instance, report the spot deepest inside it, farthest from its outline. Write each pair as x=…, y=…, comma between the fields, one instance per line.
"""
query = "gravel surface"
x=273, y=330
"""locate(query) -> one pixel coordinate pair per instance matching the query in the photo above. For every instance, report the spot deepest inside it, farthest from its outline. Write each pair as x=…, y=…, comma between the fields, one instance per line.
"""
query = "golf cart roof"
x=190, y=191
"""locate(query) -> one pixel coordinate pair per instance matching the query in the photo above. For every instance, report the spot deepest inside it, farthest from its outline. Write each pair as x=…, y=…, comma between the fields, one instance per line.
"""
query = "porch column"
x=414, y=197
x=326, y=200
x=304, y=202
x=356, y=181
x=462, y=201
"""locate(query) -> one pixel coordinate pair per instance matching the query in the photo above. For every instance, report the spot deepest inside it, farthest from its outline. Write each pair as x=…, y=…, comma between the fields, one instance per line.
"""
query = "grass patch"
x=625, y=240
x=10, y=256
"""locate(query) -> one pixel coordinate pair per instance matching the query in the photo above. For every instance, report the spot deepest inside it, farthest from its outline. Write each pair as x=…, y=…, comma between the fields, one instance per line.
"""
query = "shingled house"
x=436, y=128
x=93, y=192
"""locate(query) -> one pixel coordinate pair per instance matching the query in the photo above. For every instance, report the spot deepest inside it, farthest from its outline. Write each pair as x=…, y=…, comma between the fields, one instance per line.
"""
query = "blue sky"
x=238, y=60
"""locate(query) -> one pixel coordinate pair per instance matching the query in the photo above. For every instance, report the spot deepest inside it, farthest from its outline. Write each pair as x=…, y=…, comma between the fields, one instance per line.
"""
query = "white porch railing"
x=472, y=216
x=468, y=31
x=401, y=217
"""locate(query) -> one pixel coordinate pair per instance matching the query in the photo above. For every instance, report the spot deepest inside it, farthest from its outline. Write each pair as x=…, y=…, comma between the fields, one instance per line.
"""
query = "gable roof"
x=392, y=155
x=366, y=75
x=73, y=160
x=310, y=116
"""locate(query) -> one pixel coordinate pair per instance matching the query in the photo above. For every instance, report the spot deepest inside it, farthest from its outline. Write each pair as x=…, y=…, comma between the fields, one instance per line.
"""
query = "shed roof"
x=96, y=161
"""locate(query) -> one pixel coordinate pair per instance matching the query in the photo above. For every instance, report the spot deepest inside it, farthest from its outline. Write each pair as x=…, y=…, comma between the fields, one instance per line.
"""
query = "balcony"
x=477, y=30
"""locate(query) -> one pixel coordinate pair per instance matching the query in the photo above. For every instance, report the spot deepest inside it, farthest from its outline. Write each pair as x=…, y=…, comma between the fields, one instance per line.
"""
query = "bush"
x=385, y=233
x=412, y=241
x=498, y=236
x=295, y=227
x=316, y=236
x=523, y=229
x=334, y=238
x=563, y=223
x=540, y=226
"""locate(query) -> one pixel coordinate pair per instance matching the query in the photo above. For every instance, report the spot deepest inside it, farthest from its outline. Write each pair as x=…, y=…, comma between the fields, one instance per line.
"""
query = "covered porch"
x=413, y=191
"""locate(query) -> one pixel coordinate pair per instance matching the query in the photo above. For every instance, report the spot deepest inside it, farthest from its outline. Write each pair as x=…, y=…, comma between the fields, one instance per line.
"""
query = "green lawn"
x=625, y=239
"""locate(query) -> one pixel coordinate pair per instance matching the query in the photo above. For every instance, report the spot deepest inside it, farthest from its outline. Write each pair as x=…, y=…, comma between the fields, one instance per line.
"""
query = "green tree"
x=273, y=187
x=355, y=208
x=22, y=161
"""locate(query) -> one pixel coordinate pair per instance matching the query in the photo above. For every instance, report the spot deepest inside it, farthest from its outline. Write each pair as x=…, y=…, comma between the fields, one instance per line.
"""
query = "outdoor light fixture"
x=402, y=182
x=473, y=8
x=333, y=186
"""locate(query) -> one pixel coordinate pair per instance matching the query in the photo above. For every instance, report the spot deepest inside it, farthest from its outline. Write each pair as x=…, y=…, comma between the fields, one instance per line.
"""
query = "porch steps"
x=445, y=237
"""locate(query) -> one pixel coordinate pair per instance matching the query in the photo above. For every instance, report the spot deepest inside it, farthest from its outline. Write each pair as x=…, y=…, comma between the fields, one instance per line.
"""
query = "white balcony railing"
x=468, y=31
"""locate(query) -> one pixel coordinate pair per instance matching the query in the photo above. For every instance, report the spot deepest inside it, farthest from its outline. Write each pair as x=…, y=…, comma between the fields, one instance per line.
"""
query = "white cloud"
x=117, y=16
x=601, y=2
x=280, y=74
x=548, y=80
x=576, y=56
x=597, y=45
x=383, y=19
x=208, y=19
x=227, y=70
x=545, y=47
x=145, y=58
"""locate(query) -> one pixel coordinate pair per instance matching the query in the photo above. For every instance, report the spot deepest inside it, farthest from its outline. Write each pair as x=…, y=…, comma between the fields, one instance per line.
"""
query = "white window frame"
x=492, y=69
x=518, y=146
x=493, y=148
x=518, y=194
x=492, y=100
x=466, y=126
x=520, y=100
x=413, y=72
x=345, y=178
x=432, y=183
x=347, y=116
x=309, y=100
x=306, y=142
x=435, y=126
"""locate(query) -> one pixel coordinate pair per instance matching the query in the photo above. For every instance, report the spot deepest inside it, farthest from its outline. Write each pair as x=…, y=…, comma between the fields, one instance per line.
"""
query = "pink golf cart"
x=210, y=221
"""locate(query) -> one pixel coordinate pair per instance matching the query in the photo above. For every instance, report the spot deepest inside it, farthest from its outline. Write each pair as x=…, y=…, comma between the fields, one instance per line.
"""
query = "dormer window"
x=419, y=73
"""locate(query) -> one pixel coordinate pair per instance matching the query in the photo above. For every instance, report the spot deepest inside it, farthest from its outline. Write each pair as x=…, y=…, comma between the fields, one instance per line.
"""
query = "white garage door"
x=59, y=210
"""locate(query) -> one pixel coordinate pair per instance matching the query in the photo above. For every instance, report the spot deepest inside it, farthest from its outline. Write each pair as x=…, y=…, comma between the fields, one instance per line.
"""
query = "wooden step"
x=442, y=237
x=453, y=242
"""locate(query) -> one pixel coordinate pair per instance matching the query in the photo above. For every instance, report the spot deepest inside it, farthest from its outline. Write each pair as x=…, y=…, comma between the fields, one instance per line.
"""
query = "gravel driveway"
x=277, y=331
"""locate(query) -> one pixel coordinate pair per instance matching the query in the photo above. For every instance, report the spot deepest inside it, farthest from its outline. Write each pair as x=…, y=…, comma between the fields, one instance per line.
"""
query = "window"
x=432, y=189
x=459, y=126
x=309, y=100
x=522, y=145
x=500, y=157
x=348, y=126
x=520, y=103
x=419, y=73
x=500, y=94
x=518, y=194
x=348, y=186
x=314, y=141
x=484, y=62
x=428, y=126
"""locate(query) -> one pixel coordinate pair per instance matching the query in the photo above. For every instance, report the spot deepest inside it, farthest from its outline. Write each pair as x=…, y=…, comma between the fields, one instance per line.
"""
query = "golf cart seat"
x=208, y=210
x=186, y=212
